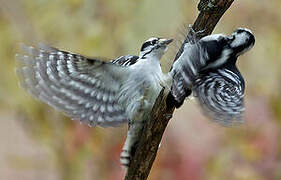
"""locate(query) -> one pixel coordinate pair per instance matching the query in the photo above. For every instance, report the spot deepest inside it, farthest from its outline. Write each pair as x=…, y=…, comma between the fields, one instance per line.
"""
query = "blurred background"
x=37, y=142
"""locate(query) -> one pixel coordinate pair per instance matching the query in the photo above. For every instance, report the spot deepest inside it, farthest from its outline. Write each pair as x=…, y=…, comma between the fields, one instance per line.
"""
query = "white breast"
x=142, y=86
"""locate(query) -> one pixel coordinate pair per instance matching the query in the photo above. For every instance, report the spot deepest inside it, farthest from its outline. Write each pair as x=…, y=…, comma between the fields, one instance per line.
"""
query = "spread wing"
x=85, y=89
x=220, y=95
x=219, y=91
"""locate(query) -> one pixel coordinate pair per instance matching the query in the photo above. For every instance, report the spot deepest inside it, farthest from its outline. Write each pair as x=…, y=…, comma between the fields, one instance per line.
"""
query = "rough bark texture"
x=210, y=13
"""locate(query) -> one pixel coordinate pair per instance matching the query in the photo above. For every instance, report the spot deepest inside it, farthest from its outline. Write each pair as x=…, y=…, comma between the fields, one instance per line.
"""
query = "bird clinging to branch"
x=208, y=68
x=124, y=90
x=97, y=92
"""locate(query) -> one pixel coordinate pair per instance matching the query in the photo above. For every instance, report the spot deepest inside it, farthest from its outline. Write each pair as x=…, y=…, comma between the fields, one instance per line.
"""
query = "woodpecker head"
x=241, y=41
x=220, y=49
x=154, y=47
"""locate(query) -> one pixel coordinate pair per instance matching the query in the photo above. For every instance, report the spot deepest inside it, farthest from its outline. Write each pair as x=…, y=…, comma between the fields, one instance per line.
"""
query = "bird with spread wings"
x=124, y=90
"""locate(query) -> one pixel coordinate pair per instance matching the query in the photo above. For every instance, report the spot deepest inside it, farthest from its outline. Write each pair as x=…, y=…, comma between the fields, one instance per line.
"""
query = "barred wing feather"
x=221, y=96
x=85, y=89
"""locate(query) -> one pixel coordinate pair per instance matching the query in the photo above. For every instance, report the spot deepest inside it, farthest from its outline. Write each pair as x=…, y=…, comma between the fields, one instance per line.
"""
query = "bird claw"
x=195, y=34
x=190, y=26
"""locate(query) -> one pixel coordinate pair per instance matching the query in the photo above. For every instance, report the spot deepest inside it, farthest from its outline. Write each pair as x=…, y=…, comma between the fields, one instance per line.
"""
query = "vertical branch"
x=210, y=13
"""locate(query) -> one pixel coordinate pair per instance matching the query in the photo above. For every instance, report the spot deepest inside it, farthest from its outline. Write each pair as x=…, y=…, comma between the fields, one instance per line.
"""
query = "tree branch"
x=210, y=13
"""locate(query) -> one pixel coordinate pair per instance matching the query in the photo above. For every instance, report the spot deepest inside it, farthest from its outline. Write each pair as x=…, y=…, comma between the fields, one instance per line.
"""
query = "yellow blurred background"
x=37, y=142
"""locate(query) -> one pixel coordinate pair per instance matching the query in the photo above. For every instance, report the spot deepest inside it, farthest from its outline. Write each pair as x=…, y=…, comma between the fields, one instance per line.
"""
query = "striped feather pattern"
x=207, y=67
x=127, y=60
x=186, y=69
x=83, y=88
x=220, y=95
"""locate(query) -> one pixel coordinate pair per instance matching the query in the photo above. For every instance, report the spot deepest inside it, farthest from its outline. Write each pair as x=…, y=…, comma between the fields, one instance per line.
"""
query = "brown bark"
x=210, y=13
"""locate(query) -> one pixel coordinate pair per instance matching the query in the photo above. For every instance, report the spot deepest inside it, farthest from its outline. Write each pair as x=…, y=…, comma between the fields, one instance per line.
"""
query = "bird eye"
x=153, y=42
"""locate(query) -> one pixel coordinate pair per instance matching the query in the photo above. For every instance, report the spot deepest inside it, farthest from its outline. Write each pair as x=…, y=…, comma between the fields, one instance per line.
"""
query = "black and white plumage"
x=124, y=90
x=93, y=91
x=208, y=68
x=127, y=60
x=74, y=84
x=220, y=94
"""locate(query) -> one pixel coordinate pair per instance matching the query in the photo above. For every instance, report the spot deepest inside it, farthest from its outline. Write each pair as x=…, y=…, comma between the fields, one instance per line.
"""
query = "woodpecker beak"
x=165, y=42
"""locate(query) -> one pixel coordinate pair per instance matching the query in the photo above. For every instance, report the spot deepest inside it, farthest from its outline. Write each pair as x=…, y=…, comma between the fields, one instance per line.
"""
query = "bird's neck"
x=149, y=64
x=151, y=61
x=151, y=55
